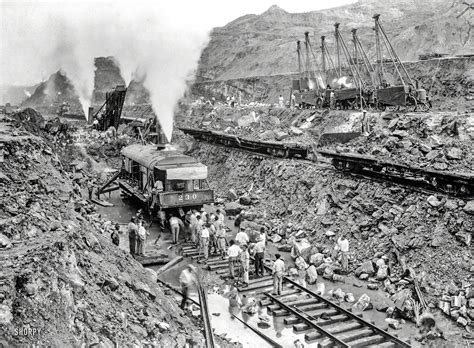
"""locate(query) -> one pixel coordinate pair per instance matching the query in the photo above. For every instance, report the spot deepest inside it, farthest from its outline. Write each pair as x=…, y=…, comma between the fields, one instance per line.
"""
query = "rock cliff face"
x=260, y=45
x=62, y=281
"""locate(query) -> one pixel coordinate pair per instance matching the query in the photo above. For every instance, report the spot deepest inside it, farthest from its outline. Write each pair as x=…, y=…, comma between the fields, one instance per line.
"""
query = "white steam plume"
x=162, y=42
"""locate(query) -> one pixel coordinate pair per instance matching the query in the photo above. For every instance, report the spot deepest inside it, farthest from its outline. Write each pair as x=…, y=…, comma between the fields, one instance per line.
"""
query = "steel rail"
x=295, y=312
x=384, y=333
x=258, y=332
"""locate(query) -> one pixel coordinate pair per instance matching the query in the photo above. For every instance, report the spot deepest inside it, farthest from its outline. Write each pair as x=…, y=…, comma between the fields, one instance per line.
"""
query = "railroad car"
x=164, y=179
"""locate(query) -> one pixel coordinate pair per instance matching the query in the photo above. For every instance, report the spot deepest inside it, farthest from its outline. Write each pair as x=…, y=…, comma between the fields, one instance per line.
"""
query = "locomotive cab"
x=164, y=179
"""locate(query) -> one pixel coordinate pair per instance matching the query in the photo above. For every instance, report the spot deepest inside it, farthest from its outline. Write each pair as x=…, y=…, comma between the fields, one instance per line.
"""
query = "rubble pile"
x=62, y=280
x=439, y=141
x=298, y=201
x=257, y=121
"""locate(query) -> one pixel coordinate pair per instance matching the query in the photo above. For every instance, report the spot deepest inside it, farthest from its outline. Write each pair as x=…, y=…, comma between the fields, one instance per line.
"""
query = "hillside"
x=260, y=45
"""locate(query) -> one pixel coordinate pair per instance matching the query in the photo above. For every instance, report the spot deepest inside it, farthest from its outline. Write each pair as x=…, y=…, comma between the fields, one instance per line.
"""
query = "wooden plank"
x=101, y=202
x=170, y=264
x=152, y=260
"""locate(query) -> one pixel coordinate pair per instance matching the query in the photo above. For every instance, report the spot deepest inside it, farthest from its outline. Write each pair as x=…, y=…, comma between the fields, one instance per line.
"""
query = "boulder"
x=382, y=273
x=424, y=148
x=349, y=297
x=372, y=286
x=233, y=208
x=366, y=267
x=432, y=155
x=232, y=195
x=363, y=303
x=267, y=135
x=469, y=208
x=5, y=315
x=245, y=200
x=311, y=274
x=338, y=294
x=400, y=133
x=279, y=135
x=295, y=131
x=300, y=263
x=316, y=259
x=5, y=242
x=434, y=202
x=276, y=238
x=454, y=153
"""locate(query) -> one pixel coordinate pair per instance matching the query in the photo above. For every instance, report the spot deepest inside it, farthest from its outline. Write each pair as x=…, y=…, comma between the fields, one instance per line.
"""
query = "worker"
x=90, y=188
x=259, y=253
x=203, y=214
x=281, y=101
x=220, y=215
x=204, y=241
x=293, y=100
x=242, y=237
x=132, y=230
x=364, y=123
x=278, y=272
x=221, y=241
x=115, y=235
x=233, y=253
x=245, y=264
x=161, y=223
x=187, y=279
x=175, y=224
x=343, y=247
x=263, y=235
x=193, y=220
x=187, y=226
x=141, y=238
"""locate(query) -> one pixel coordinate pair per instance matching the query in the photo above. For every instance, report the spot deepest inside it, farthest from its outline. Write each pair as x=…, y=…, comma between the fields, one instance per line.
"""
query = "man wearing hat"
x=233, y=253
x=132, y=230
x=278, y=271
x=259, y=250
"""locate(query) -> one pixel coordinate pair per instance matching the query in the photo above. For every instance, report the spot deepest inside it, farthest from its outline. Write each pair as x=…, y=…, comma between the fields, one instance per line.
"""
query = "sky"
x=29, y=30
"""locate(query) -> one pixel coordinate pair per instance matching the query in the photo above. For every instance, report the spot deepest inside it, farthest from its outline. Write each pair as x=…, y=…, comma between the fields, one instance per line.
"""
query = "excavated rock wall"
x=62, y=281
x=450, y=83
x=433, y=233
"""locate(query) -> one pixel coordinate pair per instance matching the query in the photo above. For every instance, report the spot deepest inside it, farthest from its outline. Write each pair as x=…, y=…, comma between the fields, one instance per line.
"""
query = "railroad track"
x=415, y=178
x=317, y=318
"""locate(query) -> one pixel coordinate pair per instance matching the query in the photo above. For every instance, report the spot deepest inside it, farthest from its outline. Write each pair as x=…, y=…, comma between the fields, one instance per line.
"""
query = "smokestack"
x=161, y=140
x=90, y=115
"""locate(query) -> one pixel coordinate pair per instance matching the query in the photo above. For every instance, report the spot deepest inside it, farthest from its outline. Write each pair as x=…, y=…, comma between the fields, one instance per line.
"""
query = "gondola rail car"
x=163, y=179
x=457, y=184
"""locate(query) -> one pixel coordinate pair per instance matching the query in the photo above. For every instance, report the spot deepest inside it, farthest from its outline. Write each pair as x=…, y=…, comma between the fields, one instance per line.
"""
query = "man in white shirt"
x=204, y=241
x=220, y=215
x=175, y=224
x=242, y=237
x=233, y=253
x=343, y=246
x=278, y=272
